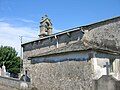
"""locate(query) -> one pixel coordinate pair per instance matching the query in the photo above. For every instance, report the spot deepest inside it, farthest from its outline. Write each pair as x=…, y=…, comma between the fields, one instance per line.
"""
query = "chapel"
x=75, y=57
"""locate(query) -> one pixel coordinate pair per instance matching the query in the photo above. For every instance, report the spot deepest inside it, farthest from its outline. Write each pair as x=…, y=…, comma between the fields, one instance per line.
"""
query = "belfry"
x=45, y=27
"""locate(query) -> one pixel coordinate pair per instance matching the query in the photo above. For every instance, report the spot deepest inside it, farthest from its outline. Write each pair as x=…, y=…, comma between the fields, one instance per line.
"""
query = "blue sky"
x=22, y=17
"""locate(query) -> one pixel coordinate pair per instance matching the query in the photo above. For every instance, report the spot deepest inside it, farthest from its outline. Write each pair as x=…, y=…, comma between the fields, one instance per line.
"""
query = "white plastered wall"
x=99, y=69
x=98, y=66
x=116, y=69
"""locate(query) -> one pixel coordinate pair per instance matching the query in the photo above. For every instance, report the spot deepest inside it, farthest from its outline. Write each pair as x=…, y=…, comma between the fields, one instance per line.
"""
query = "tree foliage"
x=8, y=55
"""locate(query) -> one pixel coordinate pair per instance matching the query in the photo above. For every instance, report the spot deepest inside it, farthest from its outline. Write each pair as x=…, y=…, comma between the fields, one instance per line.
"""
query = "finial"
x=46, y=15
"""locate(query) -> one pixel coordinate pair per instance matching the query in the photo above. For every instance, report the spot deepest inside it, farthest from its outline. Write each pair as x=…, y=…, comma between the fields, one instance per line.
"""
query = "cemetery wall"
x=12, y=82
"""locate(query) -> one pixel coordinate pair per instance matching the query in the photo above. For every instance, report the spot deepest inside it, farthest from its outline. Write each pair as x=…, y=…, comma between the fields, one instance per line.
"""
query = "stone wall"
x=65, y=71
x=105, y=35
x=66, y=75
x=101, y=35
x=50, y=43
x=74, y=71
x=10, y=82
x=47, y=44
x=13, y=83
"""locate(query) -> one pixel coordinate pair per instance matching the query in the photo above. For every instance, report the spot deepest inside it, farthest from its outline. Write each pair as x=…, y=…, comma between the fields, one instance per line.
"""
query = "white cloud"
x=25, y=20
x=9, y=35
x=12, y=28
x=17, y=19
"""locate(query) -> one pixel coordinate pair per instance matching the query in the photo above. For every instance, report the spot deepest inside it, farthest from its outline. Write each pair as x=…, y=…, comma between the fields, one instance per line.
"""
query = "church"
x=72, y=59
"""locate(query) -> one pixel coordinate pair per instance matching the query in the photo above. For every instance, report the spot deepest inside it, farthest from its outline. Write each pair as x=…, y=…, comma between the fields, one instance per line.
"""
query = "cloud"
x=12, y=28
x=20, y=22
x=25, y=20
x=9, y=35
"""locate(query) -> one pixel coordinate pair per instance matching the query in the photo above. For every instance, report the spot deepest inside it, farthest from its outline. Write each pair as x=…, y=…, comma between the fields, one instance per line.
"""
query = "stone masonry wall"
x=73, y=74
x=67, y=75
x=47, y=44
x=10, y=82
x=104, y=36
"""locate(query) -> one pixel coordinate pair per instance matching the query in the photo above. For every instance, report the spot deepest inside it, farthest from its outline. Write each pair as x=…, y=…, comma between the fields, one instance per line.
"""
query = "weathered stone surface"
x=67, y=75
x=73, y=74
x=102, y=35
x=4, y=87
x=11, y=83
x=106, y=37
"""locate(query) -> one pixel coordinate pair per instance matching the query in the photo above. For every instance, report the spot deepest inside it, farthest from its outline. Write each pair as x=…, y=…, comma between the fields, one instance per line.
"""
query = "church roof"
x=78, y=46
x=76, y=28
x=100, y=45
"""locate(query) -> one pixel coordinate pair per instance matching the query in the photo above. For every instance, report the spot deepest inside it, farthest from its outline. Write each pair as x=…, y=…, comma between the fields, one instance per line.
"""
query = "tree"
x=8, y=55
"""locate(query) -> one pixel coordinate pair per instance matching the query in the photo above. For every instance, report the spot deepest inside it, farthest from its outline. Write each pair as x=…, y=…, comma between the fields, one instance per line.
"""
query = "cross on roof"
x=107, y=68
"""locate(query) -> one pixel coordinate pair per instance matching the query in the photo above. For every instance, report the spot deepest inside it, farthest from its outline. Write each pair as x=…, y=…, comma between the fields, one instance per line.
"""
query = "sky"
x=21, y=17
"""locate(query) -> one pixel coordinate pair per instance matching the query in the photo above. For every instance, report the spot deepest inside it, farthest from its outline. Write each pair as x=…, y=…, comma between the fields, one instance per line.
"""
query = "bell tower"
x=45, y=27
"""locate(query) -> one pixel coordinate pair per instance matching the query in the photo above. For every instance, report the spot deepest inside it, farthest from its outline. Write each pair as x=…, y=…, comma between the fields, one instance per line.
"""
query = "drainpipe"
x=57, y=41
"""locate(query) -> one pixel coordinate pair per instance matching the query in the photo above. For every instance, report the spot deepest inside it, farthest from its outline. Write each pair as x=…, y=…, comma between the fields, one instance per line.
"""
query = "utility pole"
x=21, y=37
x=21, y=51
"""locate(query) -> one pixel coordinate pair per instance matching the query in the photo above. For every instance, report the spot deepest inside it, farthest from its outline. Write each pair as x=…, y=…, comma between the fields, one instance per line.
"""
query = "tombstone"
x=3, y=70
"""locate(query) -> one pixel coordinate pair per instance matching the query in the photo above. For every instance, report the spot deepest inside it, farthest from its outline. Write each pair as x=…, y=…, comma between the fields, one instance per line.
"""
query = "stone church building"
x=72, y=59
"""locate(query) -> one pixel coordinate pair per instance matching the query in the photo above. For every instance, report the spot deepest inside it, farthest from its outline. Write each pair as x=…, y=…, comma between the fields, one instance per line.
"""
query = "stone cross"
x=107, y=68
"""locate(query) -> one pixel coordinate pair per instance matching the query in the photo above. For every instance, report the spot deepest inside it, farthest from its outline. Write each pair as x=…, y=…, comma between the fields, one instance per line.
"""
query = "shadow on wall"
x=54, y=61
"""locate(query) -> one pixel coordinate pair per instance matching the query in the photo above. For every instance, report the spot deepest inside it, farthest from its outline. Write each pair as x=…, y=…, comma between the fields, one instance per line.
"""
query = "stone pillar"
x=42, y=31
x=49, y=30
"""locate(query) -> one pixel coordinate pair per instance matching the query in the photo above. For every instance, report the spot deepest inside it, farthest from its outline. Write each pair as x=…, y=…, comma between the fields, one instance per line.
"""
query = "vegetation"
x=8, y=55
